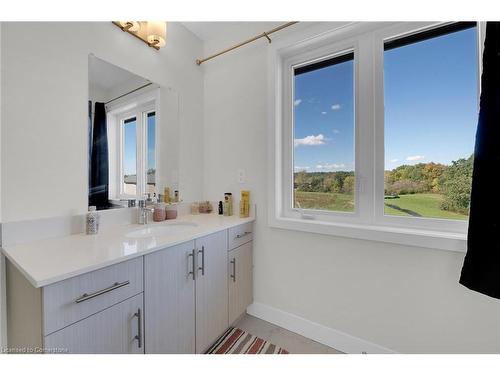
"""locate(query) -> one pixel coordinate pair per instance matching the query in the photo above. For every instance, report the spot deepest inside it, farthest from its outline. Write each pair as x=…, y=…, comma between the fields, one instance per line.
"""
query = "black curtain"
x=99, y=169
x=89, y=156
x=481, y=269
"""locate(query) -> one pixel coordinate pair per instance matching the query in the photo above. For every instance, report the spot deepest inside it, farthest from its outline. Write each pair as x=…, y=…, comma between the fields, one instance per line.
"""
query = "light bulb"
x=157, y=33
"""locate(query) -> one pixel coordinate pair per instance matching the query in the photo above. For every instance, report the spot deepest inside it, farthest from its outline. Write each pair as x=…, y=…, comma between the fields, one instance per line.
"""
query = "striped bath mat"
x=237, y=341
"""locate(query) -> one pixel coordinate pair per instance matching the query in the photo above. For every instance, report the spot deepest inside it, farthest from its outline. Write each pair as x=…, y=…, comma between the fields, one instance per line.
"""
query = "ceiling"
x=208, y=31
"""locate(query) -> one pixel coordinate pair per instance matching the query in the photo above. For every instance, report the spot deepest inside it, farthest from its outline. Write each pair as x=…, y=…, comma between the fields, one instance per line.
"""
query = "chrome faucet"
x=143, y=213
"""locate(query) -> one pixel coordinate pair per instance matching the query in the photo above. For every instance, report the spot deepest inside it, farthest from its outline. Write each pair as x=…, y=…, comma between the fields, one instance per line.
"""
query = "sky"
x=430, y=107
x=151, y=142
x=130, y=146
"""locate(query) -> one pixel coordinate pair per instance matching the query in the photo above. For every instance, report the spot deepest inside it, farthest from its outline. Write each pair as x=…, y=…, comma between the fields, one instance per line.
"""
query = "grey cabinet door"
x=211, y=289
x=169, y=291
x=240, y=280
x=111, y=331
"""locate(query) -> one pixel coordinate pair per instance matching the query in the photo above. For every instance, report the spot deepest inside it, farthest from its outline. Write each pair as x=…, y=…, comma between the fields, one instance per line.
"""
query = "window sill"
x=404, y=236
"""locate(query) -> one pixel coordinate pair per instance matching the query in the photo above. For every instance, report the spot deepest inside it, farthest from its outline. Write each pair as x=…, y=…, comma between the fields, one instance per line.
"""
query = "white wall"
x=404, y=298
x=44, y=149
x=44, y=81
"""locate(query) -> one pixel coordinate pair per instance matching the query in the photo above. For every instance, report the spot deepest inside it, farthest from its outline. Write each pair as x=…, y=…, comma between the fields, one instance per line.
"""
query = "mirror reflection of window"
x=132, y=106
x=129, y=159
x=151, y=152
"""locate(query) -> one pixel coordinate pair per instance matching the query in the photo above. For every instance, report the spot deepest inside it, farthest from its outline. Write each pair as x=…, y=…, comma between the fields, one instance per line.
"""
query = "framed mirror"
x=133, y=136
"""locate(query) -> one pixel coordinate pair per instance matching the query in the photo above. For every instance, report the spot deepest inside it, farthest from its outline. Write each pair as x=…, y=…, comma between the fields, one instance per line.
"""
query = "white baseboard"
x=314, y=331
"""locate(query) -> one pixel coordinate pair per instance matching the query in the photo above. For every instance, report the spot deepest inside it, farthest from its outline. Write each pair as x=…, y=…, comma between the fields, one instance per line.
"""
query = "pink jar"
x=159, y=213
x=171, y=212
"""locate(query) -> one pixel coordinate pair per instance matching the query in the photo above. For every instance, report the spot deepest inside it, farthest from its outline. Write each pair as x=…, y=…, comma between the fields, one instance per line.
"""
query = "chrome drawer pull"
x=86, y=296
x=138, y=337
x=233, y=276
x=193, y=273
x=242, y=235
x=202, y=268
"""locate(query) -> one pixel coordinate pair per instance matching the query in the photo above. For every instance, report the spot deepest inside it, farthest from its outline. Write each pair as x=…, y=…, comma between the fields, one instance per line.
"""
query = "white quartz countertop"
x=51, y=260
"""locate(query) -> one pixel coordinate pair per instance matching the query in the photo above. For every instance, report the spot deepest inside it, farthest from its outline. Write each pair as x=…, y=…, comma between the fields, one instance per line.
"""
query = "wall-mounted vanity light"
x=153, y=33
x=129, y=25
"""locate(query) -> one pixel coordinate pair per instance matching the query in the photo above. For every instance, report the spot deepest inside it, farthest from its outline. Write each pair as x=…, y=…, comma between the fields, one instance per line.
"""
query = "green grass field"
x=325, y=201
x=425, y=205
x=419, y=205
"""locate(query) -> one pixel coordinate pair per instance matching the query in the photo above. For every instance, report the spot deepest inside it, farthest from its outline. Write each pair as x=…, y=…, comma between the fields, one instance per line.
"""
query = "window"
x=430, y=93
x=323, y=127
x=129, y=160
x=151, y=152
x=136, y=149
x=374, y=132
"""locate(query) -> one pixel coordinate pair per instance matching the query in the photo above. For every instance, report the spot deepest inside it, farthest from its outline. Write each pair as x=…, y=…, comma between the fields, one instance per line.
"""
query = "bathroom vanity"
x=162, y=288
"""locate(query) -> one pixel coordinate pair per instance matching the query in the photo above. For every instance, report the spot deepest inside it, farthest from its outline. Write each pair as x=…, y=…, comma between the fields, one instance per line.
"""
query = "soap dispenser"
x=92, y=221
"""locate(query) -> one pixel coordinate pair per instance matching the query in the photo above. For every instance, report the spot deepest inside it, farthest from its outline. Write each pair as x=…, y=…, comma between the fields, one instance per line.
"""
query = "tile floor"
x=294, y=343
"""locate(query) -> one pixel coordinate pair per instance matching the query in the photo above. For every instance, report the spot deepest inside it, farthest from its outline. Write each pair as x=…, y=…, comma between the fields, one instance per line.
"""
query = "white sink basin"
x=161, y=230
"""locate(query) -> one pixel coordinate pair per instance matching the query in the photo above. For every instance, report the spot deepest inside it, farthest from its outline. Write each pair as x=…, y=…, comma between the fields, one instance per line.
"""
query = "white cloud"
x=336, y=131
x=323, y=113
x=310, y=140
x=297, y=102
x=329, y=167
x=394, y=160
x=415, y=157
x=336, y=107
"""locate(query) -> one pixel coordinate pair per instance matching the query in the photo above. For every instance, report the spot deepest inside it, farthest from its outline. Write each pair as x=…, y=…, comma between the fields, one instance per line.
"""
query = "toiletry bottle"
x=225, y=206
x=229, y=200
x=221, y=210
x=92, y=221
x=228, y=204
x=245, y=204
x=166, y=194
x=176, y=195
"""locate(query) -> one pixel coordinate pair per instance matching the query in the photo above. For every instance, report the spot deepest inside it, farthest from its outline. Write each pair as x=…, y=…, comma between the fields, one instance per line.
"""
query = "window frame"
x=393, y=33
x=146, y=137
x=368, y=221
x=302, y=59
x=138, y=107
x=121, y=145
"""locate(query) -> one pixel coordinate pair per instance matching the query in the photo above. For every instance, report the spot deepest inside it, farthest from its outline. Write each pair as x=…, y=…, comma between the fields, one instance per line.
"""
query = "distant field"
x=325, y=201
x=418, y=205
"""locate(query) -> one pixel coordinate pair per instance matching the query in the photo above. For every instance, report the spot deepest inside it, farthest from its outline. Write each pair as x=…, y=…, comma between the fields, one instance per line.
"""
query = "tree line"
x=452, y=181
x=325, y=182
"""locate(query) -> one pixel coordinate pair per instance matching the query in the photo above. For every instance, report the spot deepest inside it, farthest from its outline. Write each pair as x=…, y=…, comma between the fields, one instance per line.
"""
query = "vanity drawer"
x=71, y=300
x=240, y=235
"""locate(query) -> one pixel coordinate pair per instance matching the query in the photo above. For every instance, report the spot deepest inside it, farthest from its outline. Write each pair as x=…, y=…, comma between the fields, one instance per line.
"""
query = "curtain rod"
x=265, y=34
x=130, y=92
